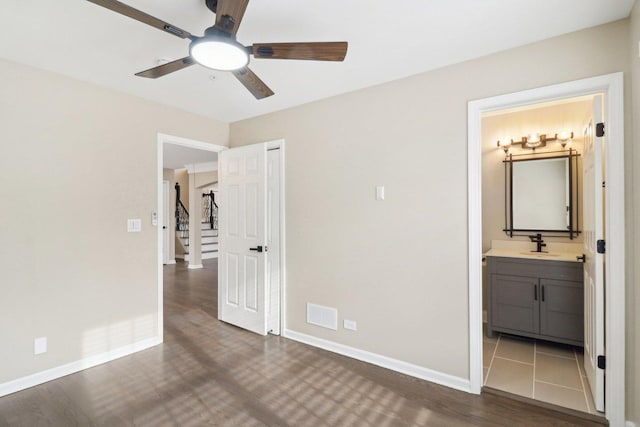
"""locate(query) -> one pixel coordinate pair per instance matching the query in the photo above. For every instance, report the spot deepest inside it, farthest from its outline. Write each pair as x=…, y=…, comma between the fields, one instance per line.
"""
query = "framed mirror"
x=541, y=194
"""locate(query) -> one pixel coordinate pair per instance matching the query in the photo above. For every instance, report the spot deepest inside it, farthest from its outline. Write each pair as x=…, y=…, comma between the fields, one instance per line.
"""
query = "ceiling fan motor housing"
x=212, y=5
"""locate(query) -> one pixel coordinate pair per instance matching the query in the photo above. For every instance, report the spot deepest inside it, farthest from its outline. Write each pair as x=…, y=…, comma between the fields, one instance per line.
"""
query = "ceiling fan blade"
x=169, y=67
x=138, y=15
x=229, y=14
x=252, y=82
x=321, y=51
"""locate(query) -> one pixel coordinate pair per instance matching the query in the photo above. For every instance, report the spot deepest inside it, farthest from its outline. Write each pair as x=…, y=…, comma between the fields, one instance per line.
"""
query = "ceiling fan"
x=219, y=50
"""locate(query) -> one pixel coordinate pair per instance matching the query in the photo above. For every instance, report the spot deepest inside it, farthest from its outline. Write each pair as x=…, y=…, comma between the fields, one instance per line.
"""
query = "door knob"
x=258, y=249
x=582, y=258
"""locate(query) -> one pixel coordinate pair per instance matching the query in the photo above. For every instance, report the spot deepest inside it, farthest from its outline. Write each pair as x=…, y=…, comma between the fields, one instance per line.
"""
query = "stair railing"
x=210, y=210
x=182, y=216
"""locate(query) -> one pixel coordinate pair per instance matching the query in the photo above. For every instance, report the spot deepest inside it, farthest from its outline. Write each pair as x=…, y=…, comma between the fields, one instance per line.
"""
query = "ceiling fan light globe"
x=222, y=55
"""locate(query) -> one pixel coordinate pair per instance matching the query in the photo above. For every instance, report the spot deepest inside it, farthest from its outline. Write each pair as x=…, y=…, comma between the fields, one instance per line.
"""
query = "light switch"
x=380, y=192
x=40, y=345
x=134, y=225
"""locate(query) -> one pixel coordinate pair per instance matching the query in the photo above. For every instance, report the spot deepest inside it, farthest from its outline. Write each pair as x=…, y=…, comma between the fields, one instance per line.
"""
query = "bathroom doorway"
x=535, y=351
x=537, y=186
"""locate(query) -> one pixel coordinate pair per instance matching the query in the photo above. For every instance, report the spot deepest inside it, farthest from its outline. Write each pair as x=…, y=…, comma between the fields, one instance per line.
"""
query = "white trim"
x=202, y=167
x=630, y=424
x=192, y=143
x=176, y=140
x=280, y=144
x=171, y=262
x=194, y=266
x=612, y=86
x=382, y=361
x=77, y=366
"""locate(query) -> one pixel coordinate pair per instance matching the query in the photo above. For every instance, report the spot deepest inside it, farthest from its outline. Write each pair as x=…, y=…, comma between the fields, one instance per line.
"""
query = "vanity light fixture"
x=564, y=136
x=535, y=140
x=505, y=143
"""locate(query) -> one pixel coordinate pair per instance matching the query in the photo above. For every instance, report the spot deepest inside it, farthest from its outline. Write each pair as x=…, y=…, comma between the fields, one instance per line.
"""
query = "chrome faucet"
x=537, y=239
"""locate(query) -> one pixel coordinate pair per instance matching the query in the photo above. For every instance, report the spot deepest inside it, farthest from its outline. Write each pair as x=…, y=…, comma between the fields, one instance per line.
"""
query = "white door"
x=166, y=228
x=242, y=281
x=594, y=262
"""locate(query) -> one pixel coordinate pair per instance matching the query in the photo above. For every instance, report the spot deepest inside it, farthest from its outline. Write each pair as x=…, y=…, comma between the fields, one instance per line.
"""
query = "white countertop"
x=555, y=251
x=549, y=256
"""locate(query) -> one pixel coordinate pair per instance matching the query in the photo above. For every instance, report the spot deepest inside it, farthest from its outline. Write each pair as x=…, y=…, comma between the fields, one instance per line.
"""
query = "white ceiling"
x=387, y=41
x=177, y=156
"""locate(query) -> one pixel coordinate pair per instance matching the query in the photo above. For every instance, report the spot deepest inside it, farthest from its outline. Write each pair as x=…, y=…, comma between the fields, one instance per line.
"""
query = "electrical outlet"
x=350, y=324
x=134, y=225
x=40, y=345
x=380, y=192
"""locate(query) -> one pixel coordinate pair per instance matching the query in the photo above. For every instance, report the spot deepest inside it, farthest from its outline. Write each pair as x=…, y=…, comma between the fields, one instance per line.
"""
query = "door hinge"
x=602, y=362
x=600, y=130
x=600, y=246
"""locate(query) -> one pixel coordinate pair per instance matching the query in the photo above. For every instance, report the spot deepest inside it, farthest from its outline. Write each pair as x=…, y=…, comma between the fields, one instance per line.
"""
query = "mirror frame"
x=572, y=230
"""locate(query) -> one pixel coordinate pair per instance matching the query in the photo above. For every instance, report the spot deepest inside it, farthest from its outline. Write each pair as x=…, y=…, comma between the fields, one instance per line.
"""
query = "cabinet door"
x=562, y=309
x=514, y=303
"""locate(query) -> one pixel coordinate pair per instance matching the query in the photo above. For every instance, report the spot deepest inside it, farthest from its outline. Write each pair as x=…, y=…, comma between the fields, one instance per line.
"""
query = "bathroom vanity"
x=537, y=295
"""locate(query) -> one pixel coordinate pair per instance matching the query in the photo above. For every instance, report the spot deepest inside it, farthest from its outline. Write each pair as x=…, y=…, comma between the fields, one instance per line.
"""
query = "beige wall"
x=205, y=179
x=81, y=160
x=632, y=155
x=399, y=267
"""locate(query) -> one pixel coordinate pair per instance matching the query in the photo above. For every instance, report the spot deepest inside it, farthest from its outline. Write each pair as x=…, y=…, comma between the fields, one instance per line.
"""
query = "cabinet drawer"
x=561, y=270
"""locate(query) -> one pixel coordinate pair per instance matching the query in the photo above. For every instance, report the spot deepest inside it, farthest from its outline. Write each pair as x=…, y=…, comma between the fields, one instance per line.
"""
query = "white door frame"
x=166, y=246
x=612, y=86
x=280, y=145
x=185, y=142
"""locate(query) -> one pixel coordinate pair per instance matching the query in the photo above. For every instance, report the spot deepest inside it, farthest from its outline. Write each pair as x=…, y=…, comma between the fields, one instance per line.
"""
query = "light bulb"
x=219, y=54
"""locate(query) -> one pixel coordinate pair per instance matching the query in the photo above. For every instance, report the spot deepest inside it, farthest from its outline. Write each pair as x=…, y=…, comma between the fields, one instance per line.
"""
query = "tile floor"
x=539, y=370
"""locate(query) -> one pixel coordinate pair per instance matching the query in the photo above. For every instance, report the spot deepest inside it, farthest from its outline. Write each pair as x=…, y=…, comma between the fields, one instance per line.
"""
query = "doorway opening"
x=533, y=237
x=611, y=87
x=183, y=155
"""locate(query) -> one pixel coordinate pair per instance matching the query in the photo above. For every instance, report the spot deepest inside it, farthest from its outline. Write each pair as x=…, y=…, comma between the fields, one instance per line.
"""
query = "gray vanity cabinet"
x=536, y=298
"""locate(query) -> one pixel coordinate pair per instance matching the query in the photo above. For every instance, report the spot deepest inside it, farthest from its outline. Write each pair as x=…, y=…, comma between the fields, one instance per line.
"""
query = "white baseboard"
x=194, y=266
x=171, y=262
x=630, y=424
x=447, y=380
x=77, y=366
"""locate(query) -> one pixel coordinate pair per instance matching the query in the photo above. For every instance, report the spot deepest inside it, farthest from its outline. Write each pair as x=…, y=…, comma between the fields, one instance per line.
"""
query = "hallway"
x=211, y=373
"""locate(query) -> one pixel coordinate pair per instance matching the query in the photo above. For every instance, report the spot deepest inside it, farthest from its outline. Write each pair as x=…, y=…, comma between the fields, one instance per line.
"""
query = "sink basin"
x=540, y=254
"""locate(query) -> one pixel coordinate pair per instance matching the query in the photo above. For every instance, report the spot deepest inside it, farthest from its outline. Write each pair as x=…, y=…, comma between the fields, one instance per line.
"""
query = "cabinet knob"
x=582, y=258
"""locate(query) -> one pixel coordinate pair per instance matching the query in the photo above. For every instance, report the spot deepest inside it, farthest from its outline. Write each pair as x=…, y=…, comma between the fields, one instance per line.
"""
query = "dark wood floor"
x=211, y=373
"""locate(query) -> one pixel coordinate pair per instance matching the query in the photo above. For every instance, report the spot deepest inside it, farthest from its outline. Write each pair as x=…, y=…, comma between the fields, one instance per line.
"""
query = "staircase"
x=208, y=242
x=208, y=226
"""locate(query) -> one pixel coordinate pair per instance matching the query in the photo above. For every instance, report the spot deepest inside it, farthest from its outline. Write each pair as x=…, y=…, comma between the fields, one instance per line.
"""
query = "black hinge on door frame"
x=600, y=246
x=602, y=362
x=600, y=130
